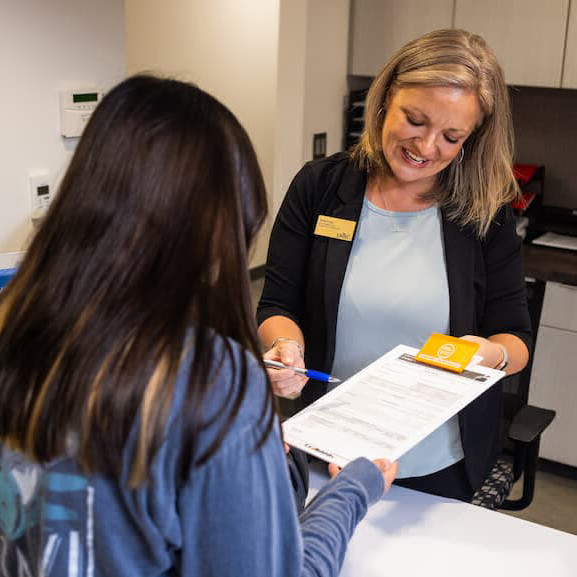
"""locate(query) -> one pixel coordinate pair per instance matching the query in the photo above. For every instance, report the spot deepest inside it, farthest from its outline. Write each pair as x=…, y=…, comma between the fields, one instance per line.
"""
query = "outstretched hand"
x=387, y=468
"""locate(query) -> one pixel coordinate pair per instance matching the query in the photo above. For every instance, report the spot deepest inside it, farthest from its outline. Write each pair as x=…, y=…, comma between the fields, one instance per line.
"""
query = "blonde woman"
x=434, y=247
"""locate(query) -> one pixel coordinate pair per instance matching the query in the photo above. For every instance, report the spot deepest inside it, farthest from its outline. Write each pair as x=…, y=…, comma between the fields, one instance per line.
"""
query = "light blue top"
x=235, y=516
x=395, y=291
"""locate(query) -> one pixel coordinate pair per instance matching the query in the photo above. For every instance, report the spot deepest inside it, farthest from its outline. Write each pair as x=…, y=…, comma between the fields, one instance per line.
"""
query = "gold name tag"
x=335, y=227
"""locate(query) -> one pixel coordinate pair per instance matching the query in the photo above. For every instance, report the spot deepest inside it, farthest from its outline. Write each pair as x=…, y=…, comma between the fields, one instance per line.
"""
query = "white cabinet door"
x=560, y=307
x=570, y=68
x=554, y=386
x=381, y=27
x=528, y=36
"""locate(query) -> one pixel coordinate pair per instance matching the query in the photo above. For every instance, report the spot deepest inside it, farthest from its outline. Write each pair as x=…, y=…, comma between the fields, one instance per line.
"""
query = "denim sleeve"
x=238, y=515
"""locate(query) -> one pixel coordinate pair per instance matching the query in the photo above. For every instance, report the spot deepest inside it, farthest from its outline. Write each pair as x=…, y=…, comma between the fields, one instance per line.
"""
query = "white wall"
x=46, y=45
x=279, y=65
x=326, y=72
x=289, y=134
x=312, y=83
x=228, y=47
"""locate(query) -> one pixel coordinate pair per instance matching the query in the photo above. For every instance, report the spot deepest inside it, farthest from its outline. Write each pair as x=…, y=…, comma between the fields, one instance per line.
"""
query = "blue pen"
x=317, y=375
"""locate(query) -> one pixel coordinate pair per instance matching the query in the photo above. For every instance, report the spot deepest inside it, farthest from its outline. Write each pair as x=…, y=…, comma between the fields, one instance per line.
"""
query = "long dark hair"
x=146, y=238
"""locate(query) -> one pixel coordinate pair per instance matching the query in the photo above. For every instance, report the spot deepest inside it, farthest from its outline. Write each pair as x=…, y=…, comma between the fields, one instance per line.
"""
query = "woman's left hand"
x=490, y=351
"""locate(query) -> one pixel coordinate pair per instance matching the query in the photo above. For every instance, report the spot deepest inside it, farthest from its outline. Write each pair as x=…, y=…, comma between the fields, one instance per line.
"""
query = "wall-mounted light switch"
x=319, y=145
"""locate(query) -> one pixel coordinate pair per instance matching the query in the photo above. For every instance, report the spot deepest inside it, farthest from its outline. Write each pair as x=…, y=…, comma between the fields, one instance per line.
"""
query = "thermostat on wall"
x=76, y=106
x=40, y=185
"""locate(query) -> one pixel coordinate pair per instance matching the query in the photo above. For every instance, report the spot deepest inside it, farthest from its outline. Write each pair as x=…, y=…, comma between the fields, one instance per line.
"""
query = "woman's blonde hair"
x=474, y=188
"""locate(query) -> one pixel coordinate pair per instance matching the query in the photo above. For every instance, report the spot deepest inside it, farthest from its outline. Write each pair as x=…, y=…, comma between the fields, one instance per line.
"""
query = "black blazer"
x=305, y=272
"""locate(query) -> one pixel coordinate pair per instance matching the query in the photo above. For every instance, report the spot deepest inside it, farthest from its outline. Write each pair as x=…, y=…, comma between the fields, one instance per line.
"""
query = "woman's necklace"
x=383, y=200
x=396, y=221
x=400, y=221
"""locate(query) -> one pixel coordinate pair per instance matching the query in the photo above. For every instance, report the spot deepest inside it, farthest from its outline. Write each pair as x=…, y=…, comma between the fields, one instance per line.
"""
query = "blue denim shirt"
x=235, y=515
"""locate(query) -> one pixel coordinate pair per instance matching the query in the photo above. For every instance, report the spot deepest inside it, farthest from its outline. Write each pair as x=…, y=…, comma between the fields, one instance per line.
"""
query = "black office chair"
x=522, y=427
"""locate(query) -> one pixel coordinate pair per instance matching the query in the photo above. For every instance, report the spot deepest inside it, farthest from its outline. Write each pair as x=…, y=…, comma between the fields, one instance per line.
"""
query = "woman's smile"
x=414, y=159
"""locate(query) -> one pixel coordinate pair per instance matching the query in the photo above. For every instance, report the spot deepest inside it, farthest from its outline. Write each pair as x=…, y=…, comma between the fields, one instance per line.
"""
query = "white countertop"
x=412, y=534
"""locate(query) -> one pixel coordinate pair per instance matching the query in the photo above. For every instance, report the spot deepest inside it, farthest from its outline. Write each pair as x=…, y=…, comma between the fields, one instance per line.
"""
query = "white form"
x=557, y=241
x=385, y=409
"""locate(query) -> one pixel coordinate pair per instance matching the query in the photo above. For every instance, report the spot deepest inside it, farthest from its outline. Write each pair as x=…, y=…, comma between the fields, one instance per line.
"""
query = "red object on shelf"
x=524, y=172
x=523, y=201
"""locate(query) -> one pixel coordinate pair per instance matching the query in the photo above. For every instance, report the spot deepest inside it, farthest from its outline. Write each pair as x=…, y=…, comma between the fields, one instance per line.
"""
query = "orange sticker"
x=447, y=352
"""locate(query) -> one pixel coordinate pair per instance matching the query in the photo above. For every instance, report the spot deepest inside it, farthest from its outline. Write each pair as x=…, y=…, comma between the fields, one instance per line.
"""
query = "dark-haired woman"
x=137, y=428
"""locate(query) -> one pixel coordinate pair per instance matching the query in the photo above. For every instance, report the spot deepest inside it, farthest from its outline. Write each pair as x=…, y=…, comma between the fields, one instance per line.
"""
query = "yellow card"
x=447, y=352
x=335, y=227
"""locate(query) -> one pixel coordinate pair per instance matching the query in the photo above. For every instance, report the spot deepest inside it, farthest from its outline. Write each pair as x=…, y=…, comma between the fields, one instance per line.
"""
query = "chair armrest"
x=529, y=423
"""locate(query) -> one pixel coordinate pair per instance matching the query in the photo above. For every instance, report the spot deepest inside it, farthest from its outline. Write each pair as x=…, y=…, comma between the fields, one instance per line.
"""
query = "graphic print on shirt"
x=44, y=514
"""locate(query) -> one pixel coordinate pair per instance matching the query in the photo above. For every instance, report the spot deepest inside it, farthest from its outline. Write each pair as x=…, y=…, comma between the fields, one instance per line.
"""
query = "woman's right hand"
x=286, y=383
x=387, y=468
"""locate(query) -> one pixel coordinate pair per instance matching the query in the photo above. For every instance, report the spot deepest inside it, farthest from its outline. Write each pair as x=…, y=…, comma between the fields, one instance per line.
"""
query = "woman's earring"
x=461, y=155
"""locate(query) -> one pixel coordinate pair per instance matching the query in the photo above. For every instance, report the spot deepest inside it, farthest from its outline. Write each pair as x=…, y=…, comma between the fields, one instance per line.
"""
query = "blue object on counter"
x=5, y=275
